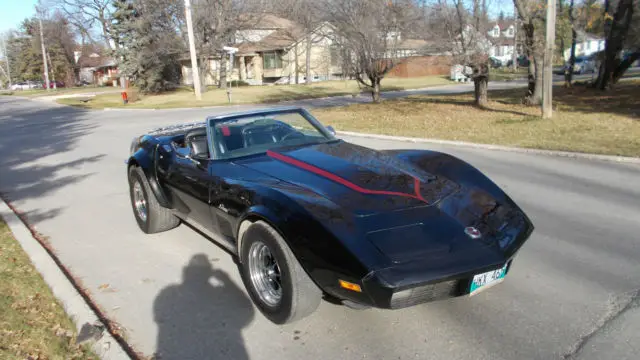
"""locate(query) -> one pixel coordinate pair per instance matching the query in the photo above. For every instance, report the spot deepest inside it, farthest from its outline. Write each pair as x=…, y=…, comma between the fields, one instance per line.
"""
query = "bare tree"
x=370, y=32
x=308, y=16
x=573, y=23
x=621, y=30
x=462, y=30
x=532, y=17
x=88, y=15
x=216, y=24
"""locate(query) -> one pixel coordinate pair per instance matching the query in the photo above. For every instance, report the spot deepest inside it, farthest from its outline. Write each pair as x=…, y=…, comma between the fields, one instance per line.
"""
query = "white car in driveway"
x=25, y=85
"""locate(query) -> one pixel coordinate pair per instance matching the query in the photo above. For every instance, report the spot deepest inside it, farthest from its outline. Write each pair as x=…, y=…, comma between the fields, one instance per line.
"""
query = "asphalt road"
x=180, y=295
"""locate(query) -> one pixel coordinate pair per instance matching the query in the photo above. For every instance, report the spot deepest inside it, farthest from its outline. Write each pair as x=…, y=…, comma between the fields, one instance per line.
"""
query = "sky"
x=13, y=12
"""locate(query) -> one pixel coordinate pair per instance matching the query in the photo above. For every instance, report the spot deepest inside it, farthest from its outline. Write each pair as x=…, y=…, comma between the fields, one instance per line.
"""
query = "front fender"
x=144, y=157
x=319, y=246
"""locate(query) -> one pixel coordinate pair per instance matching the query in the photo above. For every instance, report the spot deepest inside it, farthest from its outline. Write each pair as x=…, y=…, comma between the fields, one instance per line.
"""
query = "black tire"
x=300, y=295
x=158, y=218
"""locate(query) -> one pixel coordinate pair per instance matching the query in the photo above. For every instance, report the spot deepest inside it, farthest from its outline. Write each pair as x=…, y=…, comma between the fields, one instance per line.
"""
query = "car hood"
x=360, y=180
x=407, y=213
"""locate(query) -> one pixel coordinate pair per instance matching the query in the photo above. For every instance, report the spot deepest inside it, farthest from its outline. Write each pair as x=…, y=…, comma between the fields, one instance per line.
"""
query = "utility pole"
x=514, y=58
x=547, y=78
x=6, y=58
x=53, y=77
x=44, y=52
x=192, y=51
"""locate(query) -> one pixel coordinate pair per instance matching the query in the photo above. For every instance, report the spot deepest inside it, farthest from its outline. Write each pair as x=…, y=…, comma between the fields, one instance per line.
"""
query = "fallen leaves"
x=33, y=325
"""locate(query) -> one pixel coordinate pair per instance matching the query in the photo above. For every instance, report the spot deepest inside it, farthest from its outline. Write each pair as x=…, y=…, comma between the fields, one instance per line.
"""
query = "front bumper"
x=426, y=280
x=421, y=291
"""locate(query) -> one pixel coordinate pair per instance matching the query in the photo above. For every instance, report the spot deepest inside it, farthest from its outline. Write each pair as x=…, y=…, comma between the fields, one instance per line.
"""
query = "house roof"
x=502, y=40
x=286, y=35
x=89, y=61
x=585, y=36
x=504, y=24
x=277, y=40
x=264, y=21
x=412, y=44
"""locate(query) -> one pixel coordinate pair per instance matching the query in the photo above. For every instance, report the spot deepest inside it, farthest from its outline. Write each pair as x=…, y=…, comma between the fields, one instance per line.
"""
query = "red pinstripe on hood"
x=333, y=177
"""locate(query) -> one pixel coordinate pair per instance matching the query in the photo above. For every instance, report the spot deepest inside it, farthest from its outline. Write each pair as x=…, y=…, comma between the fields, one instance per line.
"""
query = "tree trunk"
x=222, y=84
x=204, y=68
x=375, y=92
x=618, y=30
x=297, y=65
x=480, y=84
x=307, y=69
x=625, y=65
x=572, y=56
x=574, y=36
x=536, y=70
x=531, y=77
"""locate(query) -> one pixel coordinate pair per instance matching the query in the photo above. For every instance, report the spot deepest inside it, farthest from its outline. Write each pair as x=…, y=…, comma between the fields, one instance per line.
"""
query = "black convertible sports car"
x=309, y=215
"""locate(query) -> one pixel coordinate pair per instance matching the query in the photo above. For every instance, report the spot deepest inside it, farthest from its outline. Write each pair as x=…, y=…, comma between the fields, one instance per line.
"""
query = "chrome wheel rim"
x=139, y=202
x=265, y=274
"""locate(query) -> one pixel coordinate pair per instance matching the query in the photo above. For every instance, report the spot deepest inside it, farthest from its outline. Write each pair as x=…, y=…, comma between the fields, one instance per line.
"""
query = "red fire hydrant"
x=125, y=97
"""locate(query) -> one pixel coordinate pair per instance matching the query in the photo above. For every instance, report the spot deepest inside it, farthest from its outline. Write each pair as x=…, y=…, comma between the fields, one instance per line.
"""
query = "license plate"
x=486, y=280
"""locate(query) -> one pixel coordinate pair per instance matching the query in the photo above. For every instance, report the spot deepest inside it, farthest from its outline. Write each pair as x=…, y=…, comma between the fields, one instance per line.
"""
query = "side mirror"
x=331, y=130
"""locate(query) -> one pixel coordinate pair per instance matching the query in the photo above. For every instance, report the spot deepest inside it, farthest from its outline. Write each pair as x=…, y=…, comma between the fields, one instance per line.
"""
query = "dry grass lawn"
x=585, y=120
x=61, y=91
x=33, y=324
x=249, y=94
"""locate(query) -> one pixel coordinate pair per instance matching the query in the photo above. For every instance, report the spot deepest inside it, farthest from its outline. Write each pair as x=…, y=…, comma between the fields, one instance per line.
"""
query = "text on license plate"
x=486, y=280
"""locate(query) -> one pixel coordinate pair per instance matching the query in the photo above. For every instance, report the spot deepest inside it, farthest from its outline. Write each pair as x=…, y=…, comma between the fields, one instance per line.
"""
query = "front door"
x=188, y=180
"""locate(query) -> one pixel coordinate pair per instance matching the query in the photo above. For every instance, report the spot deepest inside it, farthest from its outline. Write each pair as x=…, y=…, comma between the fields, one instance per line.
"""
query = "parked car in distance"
x=583, y=65
x=24, y=85
x=495, y=62
x=308, y=215
x=58, y=84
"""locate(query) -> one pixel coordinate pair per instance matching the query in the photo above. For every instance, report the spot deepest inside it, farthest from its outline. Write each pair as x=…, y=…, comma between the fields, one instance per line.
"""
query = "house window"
x=510, y=32
x=272, y=60
x=587, y=45
x=496, y=31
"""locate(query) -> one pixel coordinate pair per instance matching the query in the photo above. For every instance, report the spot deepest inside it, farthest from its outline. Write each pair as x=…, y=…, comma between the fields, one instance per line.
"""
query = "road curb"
x=610, y=158
x=73, y=302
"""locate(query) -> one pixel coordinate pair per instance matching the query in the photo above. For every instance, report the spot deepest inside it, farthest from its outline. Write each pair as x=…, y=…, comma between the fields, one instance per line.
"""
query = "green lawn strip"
x=248, y=94
x=33, y=324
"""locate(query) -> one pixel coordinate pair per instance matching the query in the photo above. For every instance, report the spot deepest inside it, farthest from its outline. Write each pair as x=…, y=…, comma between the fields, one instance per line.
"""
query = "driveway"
x=178, y=294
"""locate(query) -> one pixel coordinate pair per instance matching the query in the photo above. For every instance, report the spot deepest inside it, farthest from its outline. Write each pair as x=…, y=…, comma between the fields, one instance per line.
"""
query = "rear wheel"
x=150, y=216
x=276, y=282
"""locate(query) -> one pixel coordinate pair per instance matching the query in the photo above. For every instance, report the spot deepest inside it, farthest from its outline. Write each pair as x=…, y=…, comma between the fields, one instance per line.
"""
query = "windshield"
x=257, y=133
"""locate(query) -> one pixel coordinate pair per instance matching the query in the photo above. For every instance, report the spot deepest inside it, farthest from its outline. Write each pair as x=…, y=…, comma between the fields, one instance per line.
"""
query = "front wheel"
x=150, y=215
x=276, y=282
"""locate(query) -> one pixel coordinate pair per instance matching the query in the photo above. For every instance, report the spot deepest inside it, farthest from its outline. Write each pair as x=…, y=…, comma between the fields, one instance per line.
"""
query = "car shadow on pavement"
x=203, y=316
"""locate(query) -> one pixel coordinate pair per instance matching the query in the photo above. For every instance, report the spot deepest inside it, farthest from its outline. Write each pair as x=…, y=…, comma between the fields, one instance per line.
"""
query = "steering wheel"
x=291, y=134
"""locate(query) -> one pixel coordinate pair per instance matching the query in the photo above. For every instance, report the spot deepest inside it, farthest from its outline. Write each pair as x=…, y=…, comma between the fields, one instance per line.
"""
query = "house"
x=586, y=45
x=502, y=36
x=95, y=68
x=273, y=50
